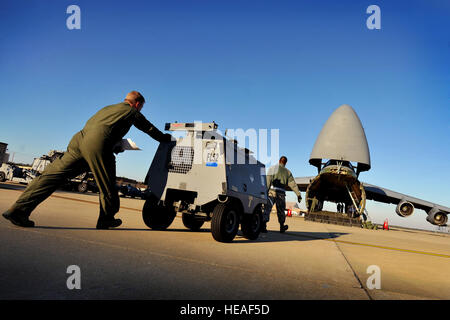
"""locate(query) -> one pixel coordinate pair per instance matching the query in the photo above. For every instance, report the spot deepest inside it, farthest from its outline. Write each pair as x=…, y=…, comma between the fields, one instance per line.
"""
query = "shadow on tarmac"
x=271, y=236
x=118, y=229
x=276, y=236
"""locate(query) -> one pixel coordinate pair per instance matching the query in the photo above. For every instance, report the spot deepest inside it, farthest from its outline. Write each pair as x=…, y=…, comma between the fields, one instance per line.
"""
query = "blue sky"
x=283, y=65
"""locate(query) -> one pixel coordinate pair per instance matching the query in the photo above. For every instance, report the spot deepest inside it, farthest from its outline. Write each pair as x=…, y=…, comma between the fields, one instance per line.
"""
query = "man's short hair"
x=283, y=160
x=134, y=96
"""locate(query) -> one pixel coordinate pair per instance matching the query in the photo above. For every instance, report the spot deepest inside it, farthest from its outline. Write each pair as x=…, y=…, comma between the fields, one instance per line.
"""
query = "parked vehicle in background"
x=11, y=172
x=130, y=191
x=81, y=183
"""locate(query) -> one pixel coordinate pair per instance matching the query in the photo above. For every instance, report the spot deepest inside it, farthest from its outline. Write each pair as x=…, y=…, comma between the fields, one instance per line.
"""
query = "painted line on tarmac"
x=83, y=201
x=391, y=248
x=92, y=202
x=374, y=246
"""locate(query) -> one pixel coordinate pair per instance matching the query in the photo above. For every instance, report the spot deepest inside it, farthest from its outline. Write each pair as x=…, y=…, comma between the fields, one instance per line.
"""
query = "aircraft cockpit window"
x=337, y=162
x=329, y=163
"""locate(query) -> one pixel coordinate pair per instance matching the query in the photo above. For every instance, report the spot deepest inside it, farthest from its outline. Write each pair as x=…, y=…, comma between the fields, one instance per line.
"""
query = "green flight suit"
x=279, y=178
x=90, y=149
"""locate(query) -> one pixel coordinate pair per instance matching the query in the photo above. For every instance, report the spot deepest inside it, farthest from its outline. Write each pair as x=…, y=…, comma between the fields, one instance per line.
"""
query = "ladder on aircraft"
x=354, y=198
x=368, y=218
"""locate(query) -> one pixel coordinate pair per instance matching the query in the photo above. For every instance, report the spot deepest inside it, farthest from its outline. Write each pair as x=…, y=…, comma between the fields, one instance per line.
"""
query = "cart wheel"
x=225, y=222
x=190, y=222
x=157, y=217
x=2, y=176
x=83, y=187
x=251, y=224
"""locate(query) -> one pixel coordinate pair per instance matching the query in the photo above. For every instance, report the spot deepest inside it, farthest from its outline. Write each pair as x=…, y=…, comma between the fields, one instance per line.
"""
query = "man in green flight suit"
x=278, y=179
x=92, y=149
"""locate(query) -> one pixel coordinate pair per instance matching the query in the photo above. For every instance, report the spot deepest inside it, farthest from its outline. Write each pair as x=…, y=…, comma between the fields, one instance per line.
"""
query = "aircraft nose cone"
x=342, y=138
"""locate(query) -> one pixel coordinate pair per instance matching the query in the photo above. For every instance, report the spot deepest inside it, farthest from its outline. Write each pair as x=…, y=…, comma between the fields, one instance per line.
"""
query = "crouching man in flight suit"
x=91, y=149
x=278, y=179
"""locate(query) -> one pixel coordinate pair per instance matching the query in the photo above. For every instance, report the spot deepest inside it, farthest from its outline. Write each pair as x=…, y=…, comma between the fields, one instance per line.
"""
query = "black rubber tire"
x=191, y=222
x=83, y=187
x=225, y=222
x=2, y=176
x=157, y=217
x=251, y=224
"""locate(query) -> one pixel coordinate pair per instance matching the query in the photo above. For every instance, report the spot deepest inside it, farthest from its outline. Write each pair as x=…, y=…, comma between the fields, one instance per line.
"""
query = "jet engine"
x=404, y=209
x=437, y=217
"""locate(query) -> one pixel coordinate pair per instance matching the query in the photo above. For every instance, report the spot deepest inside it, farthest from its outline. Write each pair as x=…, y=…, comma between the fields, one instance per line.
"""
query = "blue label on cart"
x=211, y=164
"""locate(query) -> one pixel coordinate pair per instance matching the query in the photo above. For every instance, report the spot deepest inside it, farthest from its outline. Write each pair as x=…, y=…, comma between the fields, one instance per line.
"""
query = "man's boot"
x=18, y=218
x=107, y=221
x=264, y=227
x=283, y=228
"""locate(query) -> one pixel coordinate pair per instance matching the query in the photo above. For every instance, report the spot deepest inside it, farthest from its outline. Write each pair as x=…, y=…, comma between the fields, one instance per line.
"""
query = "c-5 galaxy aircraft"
x=342, y=141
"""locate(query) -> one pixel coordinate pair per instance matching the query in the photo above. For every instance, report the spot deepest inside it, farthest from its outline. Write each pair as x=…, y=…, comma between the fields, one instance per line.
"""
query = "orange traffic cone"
x=289, y=213
x=386, y=225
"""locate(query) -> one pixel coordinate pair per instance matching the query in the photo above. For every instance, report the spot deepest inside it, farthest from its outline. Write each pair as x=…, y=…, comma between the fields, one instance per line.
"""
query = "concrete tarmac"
x=310, y=261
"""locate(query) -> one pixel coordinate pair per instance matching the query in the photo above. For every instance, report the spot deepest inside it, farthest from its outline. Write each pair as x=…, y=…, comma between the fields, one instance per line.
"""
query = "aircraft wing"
x=303, y=182
x=388, y=196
